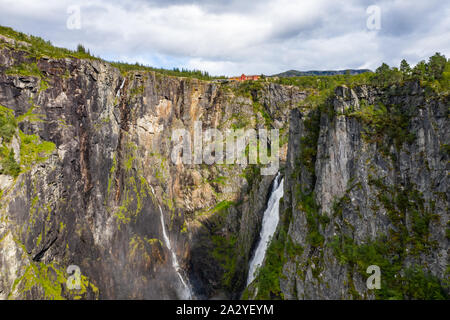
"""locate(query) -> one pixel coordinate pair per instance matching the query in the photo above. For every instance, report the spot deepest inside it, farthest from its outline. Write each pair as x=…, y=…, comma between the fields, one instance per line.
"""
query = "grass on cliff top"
x=40, y=47
x=434, y=74
x=125, y=67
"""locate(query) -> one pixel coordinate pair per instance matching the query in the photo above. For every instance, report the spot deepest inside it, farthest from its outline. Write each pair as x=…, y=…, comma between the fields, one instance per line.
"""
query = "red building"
x=243, y=77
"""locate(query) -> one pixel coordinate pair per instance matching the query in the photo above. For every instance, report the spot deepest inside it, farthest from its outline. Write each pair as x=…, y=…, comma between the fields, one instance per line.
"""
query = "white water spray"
x=185, y=292
x=269, y=225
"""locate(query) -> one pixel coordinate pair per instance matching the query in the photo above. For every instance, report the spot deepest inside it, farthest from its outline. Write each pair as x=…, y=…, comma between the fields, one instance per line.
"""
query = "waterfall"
x=185, y=292
x=269, y=225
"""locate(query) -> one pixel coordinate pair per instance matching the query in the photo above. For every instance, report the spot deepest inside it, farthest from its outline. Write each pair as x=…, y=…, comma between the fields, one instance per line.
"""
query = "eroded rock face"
x=381, y=195
x=89, y=203
x=363, y=185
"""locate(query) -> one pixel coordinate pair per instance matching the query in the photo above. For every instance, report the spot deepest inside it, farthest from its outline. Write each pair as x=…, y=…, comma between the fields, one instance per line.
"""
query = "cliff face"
x=367, y=184
x=85, y=168
x=87, y=200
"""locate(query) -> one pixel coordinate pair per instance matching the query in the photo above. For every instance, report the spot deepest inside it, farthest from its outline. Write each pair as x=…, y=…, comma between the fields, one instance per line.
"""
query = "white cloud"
x=267, y=36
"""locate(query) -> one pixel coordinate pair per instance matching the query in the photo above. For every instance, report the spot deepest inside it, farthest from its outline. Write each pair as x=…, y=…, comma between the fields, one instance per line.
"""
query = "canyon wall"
x=86, y=166
x=86, y=198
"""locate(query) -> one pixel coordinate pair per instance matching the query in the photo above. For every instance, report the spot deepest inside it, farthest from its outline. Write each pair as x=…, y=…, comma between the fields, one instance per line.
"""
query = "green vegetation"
x=176, y=72
x=224, y=250
x=308, y=142
x=29, y=70
x=8, y=124
x=269, y=274
x=400, y=280
x=225, y=254
x=25, y=69
x=314, y=219
x=51, y=280
x=225, y=204
x=251, y=173
x=397, y=282
x=8, y=164
x=33, y=150
x=385, y=125
x=38, y=47
x=435, y=75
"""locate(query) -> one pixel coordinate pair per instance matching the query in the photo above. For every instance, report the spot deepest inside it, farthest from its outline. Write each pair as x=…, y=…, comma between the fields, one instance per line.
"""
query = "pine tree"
x=436, y=66
x=405, y=68
x=420, y=70
x=81, y=49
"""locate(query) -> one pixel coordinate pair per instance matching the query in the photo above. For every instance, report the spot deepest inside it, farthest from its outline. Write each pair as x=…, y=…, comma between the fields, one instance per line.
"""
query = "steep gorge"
x=89, y=201
x=93, y=145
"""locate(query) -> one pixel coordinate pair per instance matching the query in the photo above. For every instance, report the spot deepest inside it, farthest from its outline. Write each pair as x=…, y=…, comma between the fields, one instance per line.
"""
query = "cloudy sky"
x=241, y=36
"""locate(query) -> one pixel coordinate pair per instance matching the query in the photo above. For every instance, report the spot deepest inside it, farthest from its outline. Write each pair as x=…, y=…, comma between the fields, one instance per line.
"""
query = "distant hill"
x=296, y=73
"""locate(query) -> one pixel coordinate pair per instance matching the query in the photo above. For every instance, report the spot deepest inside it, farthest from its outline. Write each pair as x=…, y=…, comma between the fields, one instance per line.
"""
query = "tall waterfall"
x=269, y=225
x=184, y=292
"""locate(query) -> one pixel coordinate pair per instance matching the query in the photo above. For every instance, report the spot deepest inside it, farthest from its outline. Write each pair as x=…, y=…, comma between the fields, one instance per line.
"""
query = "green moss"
x=390, y=251
x=314, y=219
x=397, y=282
x=33, y=150
x=184, y=227
x=25, y=69
x=135, y=191
x=137, y=91
x=225, y=254
x=8, y=123
x=29, y=70
x=39, y=239
x=223, y=205
x=50, y=280
x=30, y=116
x=385, y=125
x=292, y=249
x=259, y=108
x=308, y=142
x=445, y=149
x=112, y=171
x=42, y=276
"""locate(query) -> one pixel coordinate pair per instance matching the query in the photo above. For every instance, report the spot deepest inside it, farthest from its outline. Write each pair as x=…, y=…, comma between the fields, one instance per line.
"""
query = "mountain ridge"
x=297, y=73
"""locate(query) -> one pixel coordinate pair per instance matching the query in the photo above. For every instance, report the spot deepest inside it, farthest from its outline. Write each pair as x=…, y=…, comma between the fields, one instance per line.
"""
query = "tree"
x=81, y=49
x=436, y=66
x=383, y=74
x=420, y=70
x=405, y=68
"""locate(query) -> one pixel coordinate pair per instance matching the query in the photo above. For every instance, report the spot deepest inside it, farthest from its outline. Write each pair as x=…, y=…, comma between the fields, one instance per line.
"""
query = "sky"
x=241, y=36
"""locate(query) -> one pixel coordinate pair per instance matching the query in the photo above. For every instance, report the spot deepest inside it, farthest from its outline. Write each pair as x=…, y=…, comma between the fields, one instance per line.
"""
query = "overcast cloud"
x=237, y=36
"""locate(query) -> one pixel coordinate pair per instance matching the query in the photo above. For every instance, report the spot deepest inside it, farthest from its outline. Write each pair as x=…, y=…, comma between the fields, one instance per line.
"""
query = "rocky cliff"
x=92, y=158
x=366, y=184
x=86, y=173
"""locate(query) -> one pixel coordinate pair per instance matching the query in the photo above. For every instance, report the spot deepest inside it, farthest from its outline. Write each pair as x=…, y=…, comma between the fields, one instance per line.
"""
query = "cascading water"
x=269, y=225
x=185, y=292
